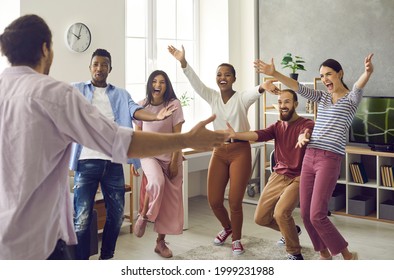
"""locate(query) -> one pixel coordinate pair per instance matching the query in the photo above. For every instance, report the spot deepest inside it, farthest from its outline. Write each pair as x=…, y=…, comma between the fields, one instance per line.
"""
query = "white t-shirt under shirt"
x=101, y=101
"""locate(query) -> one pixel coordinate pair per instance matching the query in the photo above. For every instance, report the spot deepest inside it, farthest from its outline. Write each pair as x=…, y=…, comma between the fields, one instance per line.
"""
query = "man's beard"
x=288, y=116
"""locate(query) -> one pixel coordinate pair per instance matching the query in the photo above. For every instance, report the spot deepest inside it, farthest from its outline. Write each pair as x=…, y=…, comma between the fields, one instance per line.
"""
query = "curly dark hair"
x=104, y=53
x=22, y=40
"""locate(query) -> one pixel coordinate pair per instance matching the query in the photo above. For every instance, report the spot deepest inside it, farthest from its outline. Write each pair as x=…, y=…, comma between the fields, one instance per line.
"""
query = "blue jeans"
x=89, y=174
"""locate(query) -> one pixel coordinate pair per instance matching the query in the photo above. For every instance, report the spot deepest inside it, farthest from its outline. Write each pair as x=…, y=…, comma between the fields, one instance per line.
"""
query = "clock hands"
x=78, y=37
x=79, y=34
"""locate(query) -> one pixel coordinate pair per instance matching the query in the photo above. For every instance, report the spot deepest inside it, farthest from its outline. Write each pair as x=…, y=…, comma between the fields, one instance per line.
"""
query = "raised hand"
x=368, y=69
x=166, y=112
x=265, y=68
x=368, y=63
x=178, y=54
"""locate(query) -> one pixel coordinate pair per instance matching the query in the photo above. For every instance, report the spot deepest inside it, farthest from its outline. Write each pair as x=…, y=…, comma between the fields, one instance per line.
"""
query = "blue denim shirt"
x=123, y=108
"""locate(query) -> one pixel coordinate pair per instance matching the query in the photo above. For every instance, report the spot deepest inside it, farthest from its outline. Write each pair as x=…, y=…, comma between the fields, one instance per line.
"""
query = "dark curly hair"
x=104, y=53
x=22, y=40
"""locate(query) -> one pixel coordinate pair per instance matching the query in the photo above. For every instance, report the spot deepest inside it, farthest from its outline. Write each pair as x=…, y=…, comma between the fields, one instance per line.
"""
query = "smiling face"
x=287, y=106
x=100, y=67
x=225, y=78
x=331, y=79
x=159, y=87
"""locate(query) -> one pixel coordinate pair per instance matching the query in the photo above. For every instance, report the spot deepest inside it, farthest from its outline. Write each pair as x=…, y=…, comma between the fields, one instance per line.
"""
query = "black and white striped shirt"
x=333, y=120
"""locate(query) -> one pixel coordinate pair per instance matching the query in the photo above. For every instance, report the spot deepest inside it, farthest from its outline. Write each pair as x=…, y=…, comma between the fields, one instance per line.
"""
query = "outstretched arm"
x=364, y=78
x=247, y=136
x=269, y=69
x=147, y=144
x=164, y=113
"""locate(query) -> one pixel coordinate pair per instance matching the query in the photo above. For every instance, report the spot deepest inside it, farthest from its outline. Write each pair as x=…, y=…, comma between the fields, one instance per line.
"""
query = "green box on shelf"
x=361, y=205
x=386, y=210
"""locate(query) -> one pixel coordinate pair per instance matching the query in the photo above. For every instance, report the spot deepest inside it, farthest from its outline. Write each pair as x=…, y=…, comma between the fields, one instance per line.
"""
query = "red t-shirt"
x=288, y=159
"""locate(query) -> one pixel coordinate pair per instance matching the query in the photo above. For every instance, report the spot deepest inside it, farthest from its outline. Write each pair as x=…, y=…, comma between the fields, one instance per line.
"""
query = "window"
x=8, y=12
x=152, y=25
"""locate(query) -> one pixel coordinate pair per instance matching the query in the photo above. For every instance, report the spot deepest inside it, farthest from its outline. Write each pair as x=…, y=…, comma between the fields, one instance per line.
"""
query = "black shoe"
x=297, y=257
x=282, y=240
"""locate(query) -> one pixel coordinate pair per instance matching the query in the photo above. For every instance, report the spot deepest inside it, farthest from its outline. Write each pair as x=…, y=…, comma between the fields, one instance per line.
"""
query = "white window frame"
x=179, y=82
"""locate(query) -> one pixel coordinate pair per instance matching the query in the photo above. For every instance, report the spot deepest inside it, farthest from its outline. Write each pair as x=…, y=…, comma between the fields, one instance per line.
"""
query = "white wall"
x=6, y=17
x=106, y=20
x=228, y=34
x=243, y=45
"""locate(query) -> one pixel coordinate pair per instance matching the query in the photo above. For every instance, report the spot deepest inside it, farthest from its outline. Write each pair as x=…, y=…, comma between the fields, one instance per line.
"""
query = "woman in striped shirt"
x=337, y=106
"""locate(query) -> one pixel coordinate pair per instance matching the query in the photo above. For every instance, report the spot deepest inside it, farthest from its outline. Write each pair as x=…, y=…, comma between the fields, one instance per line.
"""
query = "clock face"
x=78, y=37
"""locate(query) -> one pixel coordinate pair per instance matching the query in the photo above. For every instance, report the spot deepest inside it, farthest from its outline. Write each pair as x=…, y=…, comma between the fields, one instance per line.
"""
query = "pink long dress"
x=165, y=195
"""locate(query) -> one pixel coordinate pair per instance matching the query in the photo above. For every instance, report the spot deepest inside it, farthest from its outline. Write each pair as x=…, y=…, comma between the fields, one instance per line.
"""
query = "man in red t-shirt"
x=280, y=195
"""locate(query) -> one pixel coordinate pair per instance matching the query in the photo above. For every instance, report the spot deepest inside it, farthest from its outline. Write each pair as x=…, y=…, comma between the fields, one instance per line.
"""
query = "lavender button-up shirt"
x=39, y=120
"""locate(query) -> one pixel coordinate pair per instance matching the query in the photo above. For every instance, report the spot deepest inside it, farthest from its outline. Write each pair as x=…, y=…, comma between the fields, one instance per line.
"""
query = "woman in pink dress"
x=161, y=187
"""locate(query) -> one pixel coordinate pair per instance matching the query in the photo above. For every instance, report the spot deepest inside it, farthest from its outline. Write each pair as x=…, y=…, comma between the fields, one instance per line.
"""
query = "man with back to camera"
x=92, y=167
x=280, y=195
x=40, y=118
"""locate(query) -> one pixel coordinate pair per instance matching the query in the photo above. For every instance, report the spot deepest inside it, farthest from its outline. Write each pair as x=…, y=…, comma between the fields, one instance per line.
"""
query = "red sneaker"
x=222, y=236
x=237, y=247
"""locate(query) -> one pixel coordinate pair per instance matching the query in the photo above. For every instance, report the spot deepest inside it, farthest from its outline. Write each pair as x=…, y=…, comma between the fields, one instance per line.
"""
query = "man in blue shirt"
x=92, y=167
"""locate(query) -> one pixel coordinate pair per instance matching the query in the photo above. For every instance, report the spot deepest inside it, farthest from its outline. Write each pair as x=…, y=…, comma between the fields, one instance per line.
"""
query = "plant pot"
x=294, y=76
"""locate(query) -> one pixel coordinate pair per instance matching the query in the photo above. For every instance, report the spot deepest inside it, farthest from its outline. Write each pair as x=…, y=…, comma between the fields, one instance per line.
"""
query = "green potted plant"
x=185, y=99
x=294, y=64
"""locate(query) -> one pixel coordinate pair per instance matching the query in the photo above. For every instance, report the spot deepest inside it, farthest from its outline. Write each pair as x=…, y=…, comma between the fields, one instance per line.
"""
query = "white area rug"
x=255, y=249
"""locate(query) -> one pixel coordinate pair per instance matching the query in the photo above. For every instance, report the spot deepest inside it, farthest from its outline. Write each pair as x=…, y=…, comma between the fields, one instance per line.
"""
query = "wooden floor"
x=373, y=240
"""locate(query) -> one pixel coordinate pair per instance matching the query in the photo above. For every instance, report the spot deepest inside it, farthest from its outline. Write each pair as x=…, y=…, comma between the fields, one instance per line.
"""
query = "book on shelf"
x=358, y=172
x=389, y=176
x=353, y=173
x=363, y=173
x=383, y=175
x=391, y=169
x=386, y=172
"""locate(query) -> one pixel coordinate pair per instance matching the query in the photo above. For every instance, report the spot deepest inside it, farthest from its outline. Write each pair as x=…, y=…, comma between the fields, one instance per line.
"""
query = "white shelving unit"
x=372, y=161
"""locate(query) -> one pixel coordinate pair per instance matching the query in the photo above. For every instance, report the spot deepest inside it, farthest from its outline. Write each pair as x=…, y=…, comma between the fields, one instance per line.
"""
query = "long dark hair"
x=333, y=64
x=169, y=94
x=22, y=40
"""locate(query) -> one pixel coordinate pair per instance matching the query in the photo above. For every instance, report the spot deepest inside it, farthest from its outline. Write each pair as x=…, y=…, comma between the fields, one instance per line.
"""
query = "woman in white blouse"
x=232, y=161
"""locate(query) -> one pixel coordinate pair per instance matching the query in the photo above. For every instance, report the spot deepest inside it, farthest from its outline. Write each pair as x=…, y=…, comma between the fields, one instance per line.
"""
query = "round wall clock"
x=78, y=37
